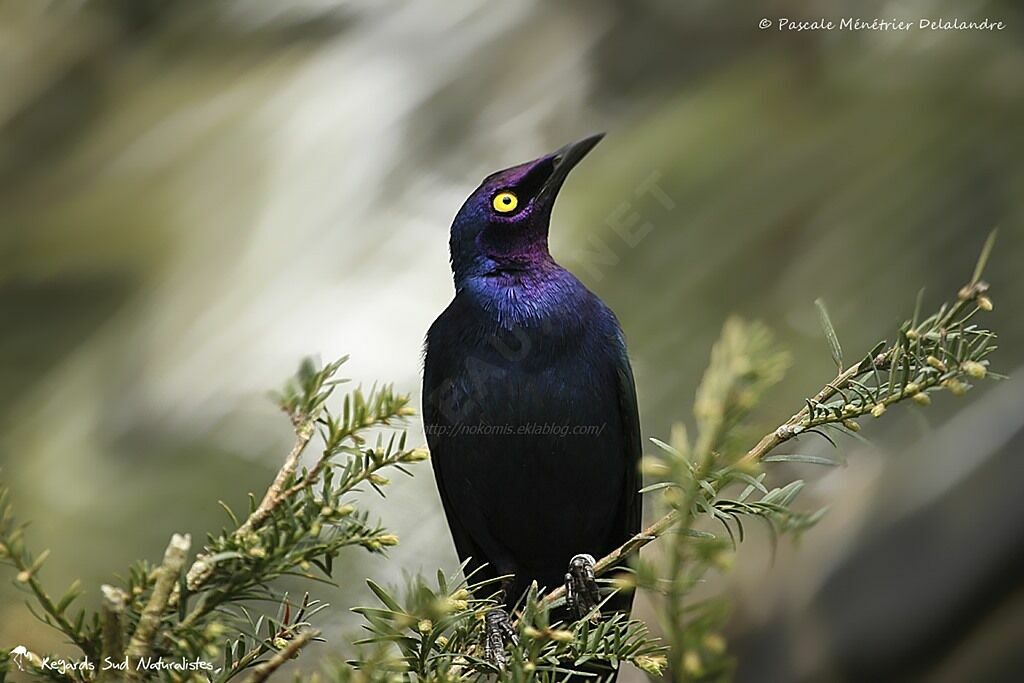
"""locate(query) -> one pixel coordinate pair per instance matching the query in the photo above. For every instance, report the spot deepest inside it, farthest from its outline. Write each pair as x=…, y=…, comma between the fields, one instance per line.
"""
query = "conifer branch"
x=306, y=517
x=111, y=615
x=14, y=553
x=263, y=671
x=277, y=491
x=304, y=401
x=203, y=567
x=167, y=574
x=941, y=352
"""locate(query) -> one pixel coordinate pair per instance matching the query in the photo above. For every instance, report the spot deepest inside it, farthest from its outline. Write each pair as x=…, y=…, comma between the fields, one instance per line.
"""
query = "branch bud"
x=955, y=386
x=974, y=369
x=692, y=664
x=723, y=560
x=785, y=432
x=651, y=665
x=654, y=467
x=714, y=643
x=417, y=455
x=624, y=581
x=973, y=290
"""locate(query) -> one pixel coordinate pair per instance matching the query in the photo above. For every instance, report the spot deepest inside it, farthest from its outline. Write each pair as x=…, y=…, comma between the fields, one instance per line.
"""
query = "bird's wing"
x=630, y=416
x=472, y=540
x=630, y=513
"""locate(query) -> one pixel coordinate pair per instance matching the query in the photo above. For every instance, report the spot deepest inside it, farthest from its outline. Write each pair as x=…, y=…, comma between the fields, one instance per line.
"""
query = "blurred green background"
x=193, y=195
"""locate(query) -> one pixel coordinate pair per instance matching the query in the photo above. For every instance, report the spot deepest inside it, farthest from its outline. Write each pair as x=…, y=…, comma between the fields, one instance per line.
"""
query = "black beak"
x=565, y=159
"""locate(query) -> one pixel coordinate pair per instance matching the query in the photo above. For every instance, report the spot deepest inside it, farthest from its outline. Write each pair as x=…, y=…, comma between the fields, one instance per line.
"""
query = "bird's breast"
x=522, y=375
x=531, y=430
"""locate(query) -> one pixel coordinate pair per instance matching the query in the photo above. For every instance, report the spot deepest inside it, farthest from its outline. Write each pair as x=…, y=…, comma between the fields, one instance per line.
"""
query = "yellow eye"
x=505, y=202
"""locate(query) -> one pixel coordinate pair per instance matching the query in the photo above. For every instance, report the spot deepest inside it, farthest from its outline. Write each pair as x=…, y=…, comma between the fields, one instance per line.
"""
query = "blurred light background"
x=193, y=195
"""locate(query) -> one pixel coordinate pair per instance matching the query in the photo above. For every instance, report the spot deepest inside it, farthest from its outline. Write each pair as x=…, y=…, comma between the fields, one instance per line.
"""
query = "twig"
x=666, y=522
x=166, y=578
x=969, y=295
x=201, y=568
x=785, y=432
x=112, y=642
x=276, y=493
x=265, y=670
x=26, y=574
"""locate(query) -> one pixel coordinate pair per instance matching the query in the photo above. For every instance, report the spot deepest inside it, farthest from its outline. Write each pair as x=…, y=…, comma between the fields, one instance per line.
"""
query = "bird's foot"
x=581, y=593
x=498, y=632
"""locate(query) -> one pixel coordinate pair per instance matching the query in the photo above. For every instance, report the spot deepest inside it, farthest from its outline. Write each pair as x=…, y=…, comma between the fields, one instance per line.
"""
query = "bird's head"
x=503, y=226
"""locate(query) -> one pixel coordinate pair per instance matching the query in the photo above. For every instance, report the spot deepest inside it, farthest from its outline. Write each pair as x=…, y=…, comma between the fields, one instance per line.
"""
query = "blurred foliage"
x=696, y=474
x=166, y=167
x=214, y=609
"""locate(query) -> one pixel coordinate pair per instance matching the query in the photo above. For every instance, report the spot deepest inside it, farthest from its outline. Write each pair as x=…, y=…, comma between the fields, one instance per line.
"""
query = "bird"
x=529, y=400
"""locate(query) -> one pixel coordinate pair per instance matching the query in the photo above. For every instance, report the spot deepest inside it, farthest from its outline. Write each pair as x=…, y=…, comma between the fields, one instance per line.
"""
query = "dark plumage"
x=528, y=396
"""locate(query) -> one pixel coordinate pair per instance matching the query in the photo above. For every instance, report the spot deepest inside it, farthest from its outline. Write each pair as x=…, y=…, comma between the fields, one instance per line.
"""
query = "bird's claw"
x=498, y=632
x=581, y=593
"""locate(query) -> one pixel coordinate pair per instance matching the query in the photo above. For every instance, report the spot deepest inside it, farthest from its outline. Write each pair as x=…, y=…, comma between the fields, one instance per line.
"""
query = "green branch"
x=141, y=643
x=944, y=351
